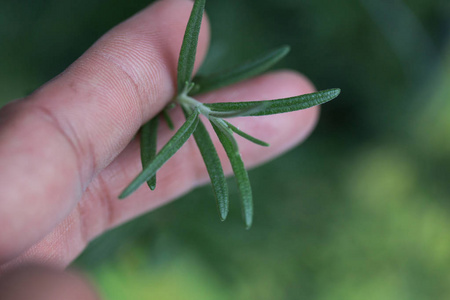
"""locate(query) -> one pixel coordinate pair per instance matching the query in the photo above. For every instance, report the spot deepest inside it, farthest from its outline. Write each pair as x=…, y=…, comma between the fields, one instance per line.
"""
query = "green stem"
x=190, y=103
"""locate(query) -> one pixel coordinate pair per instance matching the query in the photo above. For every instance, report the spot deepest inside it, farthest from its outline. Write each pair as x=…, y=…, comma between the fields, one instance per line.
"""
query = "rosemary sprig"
x=215, y=113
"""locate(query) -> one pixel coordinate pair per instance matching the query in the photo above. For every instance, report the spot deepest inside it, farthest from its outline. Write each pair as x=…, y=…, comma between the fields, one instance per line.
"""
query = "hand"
x=65, y=151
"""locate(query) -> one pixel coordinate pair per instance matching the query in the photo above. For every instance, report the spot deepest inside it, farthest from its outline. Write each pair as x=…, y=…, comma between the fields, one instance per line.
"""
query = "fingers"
x=40, y=283
x=100, y=209
x=53, y=143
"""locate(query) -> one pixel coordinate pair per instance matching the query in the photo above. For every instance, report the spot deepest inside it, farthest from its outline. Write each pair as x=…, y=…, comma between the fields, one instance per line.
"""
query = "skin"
x=67, y=150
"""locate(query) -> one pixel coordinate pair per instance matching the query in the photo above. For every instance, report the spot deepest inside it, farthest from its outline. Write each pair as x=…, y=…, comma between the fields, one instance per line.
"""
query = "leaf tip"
x=248, y=220
x=223, y=206
x=285, y=49
x=337, y=92
x=248, y=226
x=223, y=215
x=123, y=195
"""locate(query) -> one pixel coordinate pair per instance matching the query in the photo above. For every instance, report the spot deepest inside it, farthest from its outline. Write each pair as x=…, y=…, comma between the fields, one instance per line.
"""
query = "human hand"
x=65, y=151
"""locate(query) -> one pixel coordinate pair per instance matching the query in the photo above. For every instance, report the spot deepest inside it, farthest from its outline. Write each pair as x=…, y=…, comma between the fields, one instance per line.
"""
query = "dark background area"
x=361, y=210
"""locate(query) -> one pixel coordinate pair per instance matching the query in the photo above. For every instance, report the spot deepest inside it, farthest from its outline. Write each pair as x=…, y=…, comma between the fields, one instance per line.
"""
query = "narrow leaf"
x=214, y=167
x=249, y=69
x=168, y=119
x=280, y=105
x=253, y=109
x=149, y=134
x=246, y=136
x=174, y=144
x=222, y=126
x=229, y=144
x=189, y=48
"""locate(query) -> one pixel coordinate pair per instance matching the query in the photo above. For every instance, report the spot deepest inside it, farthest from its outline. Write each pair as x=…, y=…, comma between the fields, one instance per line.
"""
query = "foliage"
x=215, y=113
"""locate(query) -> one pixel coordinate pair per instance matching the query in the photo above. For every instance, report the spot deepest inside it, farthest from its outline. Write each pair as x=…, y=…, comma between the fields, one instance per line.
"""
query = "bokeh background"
x=359, y=211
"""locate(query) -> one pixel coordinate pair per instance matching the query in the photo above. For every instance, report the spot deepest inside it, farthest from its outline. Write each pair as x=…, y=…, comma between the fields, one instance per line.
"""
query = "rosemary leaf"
x=250, y=69
x=189, y=48
x=245, y=111
x=229, y=144
x=168, y=119
x=246, y=136
x=174, y=144
x=214, y=167
x=149, y=134
x=280, y=105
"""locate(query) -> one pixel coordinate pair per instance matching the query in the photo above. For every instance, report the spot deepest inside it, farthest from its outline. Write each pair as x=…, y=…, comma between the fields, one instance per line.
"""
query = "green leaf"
x=214, y=167
x=189, y=48
x=246, y=136
x=168, y=119
x=250, y=69
x=280, y=105
x=149, y=134
x=174, y=144
x=253, y=109
x=229, y=144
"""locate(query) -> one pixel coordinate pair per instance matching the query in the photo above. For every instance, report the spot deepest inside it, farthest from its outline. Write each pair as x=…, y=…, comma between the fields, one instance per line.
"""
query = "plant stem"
x=190, y=103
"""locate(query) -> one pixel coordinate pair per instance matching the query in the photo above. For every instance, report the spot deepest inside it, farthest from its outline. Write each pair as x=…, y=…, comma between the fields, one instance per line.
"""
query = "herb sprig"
x=215, y=113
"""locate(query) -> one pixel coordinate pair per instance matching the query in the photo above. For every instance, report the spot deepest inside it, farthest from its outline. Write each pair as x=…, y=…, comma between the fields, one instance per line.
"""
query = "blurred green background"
x=359, y=211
